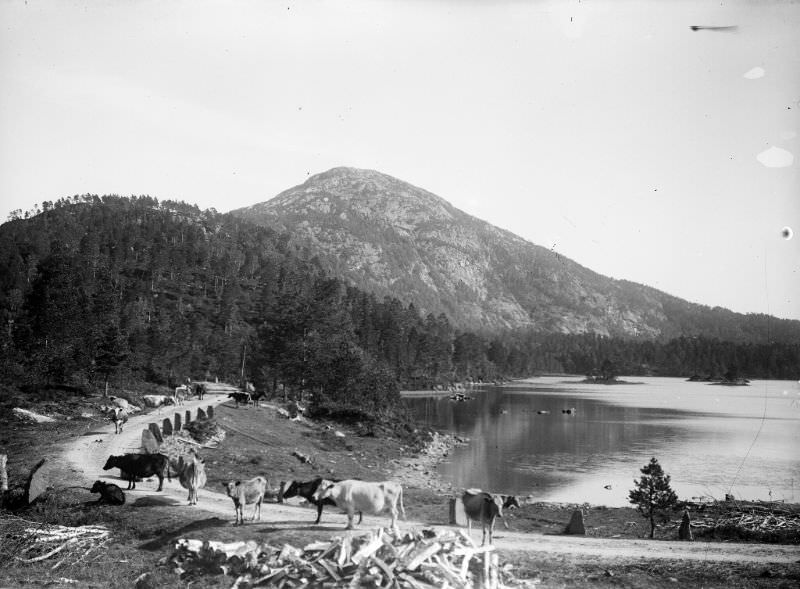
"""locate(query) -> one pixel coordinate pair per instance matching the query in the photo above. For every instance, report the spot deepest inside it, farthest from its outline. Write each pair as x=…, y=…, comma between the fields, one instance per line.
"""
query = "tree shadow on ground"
x=169, y=537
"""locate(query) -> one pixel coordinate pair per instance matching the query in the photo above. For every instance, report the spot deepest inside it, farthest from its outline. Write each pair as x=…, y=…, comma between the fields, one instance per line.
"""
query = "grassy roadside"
x=261, y=442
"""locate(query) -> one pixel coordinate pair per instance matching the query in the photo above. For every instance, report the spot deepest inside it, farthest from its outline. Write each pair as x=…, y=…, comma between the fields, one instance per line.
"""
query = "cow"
x=484, y=507
x=307, y=490
x=241, y=398
x=181, y=393
x=155, y=401
x=352, y=495
x=109, y=493
x=140, y=465
x=119, y=418
x=192, y=475
x=245, y=492
x=256, y=398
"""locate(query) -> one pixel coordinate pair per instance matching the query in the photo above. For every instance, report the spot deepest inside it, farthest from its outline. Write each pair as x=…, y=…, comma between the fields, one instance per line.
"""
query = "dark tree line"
x=97, y=290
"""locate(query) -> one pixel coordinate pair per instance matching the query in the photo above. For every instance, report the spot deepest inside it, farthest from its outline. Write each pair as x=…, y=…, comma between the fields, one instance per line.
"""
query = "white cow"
x=192, y=475
x=181, y=393
x=155, y=401
x=352, y=496
x=118, y=417
x=245, y=492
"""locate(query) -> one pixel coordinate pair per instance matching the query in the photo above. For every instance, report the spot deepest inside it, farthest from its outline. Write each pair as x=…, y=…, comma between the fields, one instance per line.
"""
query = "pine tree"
x=652, y=494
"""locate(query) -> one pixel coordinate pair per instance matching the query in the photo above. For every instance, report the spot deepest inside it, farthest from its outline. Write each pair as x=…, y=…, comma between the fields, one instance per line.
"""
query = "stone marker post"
x=575, y=525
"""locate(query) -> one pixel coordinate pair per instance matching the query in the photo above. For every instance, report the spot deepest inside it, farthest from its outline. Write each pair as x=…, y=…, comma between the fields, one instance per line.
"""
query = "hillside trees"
x=113, y=289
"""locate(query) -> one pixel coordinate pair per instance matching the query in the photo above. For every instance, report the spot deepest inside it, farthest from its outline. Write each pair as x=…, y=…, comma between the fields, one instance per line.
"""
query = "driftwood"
x=421, y=559
x=30, y=542
x=748, y=518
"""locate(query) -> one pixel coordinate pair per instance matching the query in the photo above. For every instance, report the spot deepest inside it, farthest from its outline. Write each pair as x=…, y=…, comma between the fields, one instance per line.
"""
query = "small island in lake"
x=606, y=374
x=730, y=379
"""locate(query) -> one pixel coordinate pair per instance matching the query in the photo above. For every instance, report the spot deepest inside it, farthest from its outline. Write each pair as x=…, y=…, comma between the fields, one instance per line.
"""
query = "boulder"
x=36, y=484
x=26, y=415
x=149, y=442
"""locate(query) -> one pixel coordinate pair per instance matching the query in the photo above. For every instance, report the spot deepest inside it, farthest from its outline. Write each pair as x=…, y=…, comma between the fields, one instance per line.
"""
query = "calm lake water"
x=710, y=439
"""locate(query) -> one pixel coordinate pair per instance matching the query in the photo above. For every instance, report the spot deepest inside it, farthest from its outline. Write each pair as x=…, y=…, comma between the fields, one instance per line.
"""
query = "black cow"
x=240, y=398
x=109, y=493
x=132, y=466
x=306, y=491
x=484, y=507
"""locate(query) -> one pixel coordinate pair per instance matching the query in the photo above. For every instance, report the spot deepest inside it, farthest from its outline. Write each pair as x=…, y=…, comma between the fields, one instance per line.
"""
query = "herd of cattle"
x=351, y=496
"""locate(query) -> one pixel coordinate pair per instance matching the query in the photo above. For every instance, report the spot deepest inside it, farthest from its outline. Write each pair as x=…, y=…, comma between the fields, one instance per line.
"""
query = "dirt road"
x=87, y=454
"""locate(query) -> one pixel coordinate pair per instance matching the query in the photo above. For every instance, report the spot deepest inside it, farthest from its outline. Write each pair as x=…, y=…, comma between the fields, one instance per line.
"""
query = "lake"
x=710, y=439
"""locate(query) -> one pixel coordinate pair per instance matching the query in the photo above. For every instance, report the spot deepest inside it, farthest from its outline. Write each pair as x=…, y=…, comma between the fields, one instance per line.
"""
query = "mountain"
x=389, y=237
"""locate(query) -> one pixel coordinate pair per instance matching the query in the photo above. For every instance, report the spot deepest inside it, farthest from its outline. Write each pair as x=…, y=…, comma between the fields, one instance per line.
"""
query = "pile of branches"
x=29, y=542
x=205, y=431
x=748, y=520
x=419, y=560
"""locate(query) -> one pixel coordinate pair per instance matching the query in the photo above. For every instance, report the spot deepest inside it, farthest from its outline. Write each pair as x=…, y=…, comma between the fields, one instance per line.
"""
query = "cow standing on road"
x=352, y=496
x=245, y=492
x=484, y=507
x=142, y=466
x=307, y=490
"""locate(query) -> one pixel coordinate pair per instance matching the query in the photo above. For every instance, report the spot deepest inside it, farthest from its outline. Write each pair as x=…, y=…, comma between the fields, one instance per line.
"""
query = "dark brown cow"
x=484, y=507
x=307, y=490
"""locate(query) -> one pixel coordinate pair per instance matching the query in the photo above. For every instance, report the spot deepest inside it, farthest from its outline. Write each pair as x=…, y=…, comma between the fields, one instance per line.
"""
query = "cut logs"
x=422, y=559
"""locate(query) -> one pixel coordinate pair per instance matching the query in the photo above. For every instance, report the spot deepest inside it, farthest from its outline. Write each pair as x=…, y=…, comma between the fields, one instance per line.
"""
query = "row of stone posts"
x=155, y=433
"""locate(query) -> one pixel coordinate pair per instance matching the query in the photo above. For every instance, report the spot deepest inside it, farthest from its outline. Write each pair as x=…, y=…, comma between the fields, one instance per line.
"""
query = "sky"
x=608, y=131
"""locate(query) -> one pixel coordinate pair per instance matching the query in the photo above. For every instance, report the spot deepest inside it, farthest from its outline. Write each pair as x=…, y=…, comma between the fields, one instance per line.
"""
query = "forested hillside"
x=118, y=290
x=388, y=237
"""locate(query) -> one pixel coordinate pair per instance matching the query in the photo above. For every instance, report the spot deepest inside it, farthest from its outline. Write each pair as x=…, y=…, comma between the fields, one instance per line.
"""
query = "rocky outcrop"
x=393, y=239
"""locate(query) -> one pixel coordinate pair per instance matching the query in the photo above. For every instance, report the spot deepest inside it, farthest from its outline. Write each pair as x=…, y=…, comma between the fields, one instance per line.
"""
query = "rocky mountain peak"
x=392, y=238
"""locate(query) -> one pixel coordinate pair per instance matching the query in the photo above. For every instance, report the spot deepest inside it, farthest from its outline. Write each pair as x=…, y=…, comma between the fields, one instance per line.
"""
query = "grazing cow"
x=192, y=475
x=240, y=398
x=351, y=496
x=307, y=490
x=484, y=508
x=246, y=492
x=119, y=418
x=109, y=493
x=140, y=465
x=155, y=401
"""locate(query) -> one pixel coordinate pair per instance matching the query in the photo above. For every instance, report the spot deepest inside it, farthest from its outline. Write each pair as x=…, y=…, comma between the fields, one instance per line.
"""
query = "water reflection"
x=524, y=443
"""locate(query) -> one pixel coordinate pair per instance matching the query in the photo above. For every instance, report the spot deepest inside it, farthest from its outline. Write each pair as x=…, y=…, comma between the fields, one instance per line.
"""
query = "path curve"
x=87, y=454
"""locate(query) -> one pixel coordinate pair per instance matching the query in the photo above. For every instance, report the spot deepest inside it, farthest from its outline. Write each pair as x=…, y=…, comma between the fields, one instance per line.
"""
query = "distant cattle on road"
x=241, y=398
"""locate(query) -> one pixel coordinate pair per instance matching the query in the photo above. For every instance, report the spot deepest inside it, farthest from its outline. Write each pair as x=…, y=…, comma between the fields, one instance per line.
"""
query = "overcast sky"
x=609, y=131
